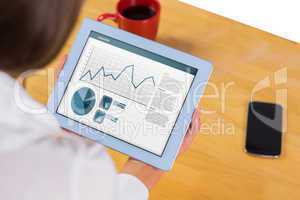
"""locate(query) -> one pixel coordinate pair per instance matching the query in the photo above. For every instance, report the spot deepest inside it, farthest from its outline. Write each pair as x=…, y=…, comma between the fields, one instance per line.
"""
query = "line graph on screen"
x=125, y=81
x=115, y=78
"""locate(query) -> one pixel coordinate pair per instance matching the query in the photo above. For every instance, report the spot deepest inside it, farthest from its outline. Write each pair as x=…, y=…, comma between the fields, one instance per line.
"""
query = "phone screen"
x=264, y=129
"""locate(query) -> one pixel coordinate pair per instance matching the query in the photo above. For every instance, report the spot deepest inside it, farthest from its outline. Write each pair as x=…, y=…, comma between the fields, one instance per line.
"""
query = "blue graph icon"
x=106, y=102
x=83, y=101
x=99, y=116
x=102, y=72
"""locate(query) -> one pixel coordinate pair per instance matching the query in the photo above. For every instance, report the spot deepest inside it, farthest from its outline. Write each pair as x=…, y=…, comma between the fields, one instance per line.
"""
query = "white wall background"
x=280, y=17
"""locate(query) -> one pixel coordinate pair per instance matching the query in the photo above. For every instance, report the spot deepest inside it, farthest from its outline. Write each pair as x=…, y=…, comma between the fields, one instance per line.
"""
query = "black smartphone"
x=264, y=129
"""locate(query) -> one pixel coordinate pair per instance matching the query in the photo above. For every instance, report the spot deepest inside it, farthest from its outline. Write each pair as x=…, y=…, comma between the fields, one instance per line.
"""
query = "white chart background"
x=131, y=126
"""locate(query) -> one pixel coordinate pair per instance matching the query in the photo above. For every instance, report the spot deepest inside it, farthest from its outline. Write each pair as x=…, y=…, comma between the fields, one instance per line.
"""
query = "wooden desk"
x=216, y=166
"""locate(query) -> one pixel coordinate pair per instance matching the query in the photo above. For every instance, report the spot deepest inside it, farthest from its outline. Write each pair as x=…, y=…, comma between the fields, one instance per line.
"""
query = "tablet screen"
x=126, y=92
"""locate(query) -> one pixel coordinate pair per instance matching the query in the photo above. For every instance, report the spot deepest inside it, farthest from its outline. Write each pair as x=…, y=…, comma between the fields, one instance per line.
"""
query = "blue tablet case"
x=166, y=160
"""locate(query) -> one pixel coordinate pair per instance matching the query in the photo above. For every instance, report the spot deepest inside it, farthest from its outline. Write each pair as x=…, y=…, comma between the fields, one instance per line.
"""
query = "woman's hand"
x=60, y=66
x=150, y=175
x=191, y=133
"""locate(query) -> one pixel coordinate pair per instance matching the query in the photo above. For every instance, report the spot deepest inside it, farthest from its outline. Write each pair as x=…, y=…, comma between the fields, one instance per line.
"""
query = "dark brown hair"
x=33, y=31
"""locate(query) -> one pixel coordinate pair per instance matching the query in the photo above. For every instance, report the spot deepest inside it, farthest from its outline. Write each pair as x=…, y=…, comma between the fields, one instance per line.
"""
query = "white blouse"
x=36, y=164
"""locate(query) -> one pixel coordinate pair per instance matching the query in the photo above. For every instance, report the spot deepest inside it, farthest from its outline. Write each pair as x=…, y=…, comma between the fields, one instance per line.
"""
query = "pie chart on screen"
x=83, y=101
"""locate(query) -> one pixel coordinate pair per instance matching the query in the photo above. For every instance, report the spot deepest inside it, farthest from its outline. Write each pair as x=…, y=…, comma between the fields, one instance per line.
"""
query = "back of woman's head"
x=33, y=31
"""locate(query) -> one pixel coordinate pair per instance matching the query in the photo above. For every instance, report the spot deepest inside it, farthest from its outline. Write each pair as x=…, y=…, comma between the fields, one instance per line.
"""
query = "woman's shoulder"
x=59, y=167
x=22, y=119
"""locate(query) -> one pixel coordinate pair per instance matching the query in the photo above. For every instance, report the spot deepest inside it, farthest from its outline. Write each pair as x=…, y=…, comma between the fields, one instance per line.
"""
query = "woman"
x=38, y=160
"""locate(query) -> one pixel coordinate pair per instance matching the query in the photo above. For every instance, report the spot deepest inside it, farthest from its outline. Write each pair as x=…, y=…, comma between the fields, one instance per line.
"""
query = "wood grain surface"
x=216, y=166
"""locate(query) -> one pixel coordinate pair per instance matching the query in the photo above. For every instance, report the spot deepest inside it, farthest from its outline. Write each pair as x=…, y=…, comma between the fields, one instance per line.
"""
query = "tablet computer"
x=128, y=93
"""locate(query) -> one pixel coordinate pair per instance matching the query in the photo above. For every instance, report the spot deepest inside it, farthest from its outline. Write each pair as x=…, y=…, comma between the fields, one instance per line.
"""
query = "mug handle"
x=105, y=16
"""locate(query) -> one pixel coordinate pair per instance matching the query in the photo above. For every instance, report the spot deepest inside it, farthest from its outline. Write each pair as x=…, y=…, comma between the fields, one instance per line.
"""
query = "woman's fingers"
x=195, y=124
x=196, y=121
x=191, y=132
x=60, y=65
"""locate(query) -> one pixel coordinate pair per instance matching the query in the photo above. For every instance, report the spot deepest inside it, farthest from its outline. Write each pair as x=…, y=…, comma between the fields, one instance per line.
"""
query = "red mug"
x=147, y=28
